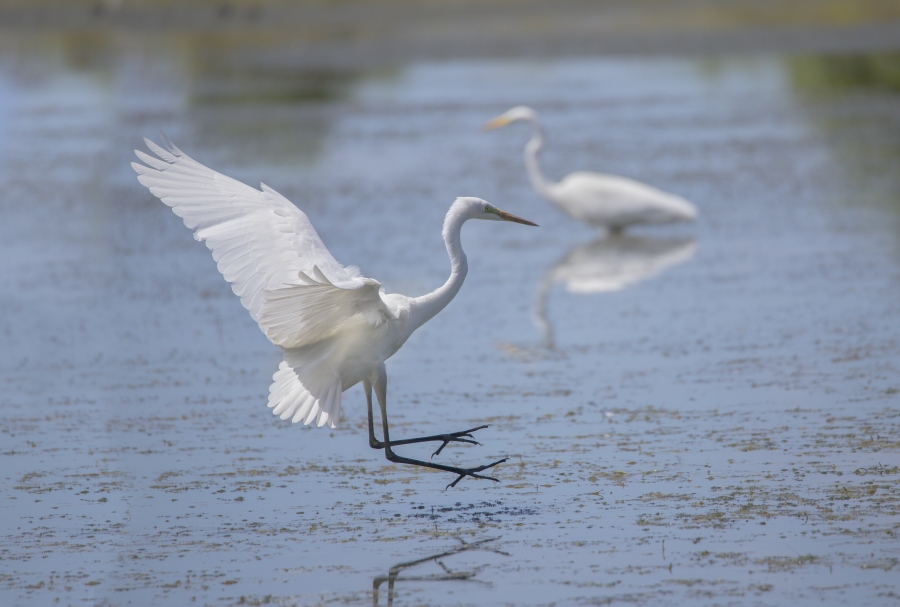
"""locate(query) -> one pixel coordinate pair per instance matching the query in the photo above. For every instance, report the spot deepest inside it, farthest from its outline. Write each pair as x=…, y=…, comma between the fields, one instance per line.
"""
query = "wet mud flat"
x=697, y=415
x=756, y=507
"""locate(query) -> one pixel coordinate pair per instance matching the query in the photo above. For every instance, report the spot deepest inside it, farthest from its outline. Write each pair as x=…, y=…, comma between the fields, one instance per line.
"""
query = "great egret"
x=335, y=327
x=600, y=200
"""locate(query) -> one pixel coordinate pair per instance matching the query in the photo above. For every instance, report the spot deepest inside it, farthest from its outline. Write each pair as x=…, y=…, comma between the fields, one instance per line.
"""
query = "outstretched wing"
x=306, y=313
x=264, y=246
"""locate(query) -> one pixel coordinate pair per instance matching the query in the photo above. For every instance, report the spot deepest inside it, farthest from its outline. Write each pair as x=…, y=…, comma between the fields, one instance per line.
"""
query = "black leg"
x=456, y=437
x=380, y=385
x=373, y=442
x=463, y=436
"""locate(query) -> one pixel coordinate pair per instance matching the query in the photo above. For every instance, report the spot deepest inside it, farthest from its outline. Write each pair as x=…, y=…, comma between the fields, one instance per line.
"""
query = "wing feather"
x=293, y=399
x=264, y=246
x=304, y=408
x=306, y=313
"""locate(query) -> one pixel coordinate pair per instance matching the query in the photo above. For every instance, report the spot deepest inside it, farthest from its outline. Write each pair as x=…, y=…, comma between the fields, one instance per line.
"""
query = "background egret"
x=600, y=200
x=335, y=326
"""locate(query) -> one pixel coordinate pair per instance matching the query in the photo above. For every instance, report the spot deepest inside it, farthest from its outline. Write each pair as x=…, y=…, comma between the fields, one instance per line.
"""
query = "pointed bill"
x=510, y=217
x=496, y=123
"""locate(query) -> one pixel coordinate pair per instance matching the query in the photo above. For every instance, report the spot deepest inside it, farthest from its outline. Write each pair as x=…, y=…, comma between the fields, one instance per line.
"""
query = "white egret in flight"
x=335, y=327
x=603, y=201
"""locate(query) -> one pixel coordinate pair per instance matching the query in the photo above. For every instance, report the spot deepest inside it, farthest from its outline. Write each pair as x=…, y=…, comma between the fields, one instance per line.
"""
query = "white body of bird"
x=600, y=200
x=616, y=202
x=335, y=327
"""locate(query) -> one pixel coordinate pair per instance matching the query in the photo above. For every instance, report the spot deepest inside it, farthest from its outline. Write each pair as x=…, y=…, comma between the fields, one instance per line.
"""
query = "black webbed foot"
x=464, y=472
x=463, y=436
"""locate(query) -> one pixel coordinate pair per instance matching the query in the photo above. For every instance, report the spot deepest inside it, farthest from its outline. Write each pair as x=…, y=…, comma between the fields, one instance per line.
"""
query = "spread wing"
x=306, y=313
x=265, y=247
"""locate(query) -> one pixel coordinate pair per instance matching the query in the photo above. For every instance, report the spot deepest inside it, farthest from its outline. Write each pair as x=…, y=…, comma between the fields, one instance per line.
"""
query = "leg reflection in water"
x=394, y=572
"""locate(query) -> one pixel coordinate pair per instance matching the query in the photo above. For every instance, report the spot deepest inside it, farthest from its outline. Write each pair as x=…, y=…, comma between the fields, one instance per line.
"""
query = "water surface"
x=718, y=428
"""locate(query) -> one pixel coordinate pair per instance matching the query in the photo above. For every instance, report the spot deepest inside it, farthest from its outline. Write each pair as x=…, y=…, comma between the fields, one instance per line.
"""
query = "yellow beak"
x=496, y=123
x=510, y=217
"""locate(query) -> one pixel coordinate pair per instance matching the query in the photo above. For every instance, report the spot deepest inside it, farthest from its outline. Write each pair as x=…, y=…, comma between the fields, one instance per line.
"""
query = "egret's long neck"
x=532, y=149
x=425, y=307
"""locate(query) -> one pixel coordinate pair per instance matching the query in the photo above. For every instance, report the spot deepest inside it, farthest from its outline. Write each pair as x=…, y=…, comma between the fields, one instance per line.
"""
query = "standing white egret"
x=607, y=201
x=335, y=327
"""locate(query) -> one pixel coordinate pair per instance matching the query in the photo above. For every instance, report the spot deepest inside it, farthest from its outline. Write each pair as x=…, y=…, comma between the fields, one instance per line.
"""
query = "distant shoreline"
x=356, y=34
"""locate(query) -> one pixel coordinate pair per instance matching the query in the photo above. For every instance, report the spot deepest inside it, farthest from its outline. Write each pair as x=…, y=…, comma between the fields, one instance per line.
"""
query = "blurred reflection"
x=448, y=574
x=817, y=73
x=216, y=82
x=852, y=101
x=215, y=88
x=609, y=263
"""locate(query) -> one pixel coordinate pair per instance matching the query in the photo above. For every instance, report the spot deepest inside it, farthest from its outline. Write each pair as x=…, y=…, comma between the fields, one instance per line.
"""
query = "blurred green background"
x=352, y=33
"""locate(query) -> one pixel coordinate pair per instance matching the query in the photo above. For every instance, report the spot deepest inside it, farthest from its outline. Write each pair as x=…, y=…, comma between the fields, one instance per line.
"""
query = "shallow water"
x=707, y=414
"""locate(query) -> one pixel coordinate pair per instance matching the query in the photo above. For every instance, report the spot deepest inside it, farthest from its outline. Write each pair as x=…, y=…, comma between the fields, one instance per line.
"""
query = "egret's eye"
x=487, y=209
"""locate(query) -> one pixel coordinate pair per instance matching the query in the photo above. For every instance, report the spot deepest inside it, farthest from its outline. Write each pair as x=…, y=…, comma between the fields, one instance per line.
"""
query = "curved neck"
x=425, y=307
x=532, y=148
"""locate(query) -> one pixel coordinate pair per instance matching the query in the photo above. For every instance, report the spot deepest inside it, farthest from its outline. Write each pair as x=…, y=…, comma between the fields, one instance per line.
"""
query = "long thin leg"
x=464, y=436
x=380, y=385
x=373, y=442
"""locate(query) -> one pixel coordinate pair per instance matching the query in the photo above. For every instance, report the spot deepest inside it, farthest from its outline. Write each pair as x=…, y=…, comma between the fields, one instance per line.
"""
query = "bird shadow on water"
x=609, y=263
x=448, y=574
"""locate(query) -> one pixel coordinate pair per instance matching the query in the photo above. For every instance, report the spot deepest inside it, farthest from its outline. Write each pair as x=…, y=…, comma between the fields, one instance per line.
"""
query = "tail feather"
x=304, y=408
x=292, y=398
x=290, y=402
x=326, y=404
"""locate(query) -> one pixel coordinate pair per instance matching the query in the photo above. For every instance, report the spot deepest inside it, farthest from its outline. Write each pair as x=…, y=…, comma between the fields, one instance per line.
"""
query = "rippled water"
x=702, y=414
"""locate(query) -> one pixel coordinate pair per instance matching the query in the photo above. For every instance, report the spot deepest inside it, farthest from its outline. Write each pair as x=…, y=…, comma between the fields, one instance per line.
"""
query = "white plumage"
x=268, y=250
x=600, y=200
x=335, y=327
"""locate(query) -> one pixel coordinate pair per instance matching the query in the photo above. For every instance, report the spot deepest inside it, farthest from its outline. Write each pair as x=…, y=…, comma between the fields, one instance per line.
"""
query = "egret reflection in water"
x=609, y=263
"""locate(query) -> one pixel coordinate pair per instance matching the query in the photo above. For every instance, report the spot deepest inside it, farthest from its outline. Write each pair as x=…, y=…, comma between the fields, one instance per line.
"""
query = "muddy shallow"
x=694, y=415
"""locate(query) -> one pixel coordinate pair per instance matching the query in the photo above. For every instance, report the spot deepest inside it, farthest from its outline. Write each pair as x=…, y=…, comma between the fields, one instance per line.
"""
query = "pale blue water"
x=720, y=431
